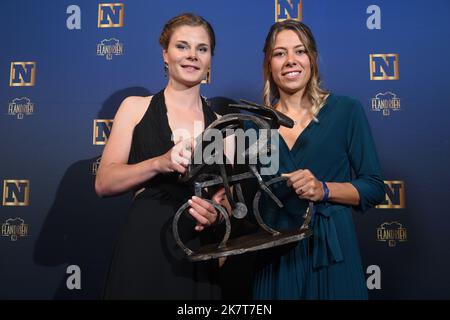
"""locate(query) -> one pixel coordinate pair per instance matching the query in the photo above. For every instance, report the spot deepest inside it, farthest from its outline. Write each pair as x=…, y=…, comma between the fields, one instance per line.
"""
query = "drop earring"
x=207, y=78
x=166, y=69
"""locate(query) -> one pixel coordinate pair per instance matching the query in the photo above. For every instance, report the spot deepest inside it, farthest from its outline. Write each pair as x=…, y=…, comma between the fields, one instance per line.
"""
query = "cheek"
x=308, y=73
x=172, y=58
x=275, y=75
x=275, y=68
x=306, y=62
x=307, y=66
x=206, y=60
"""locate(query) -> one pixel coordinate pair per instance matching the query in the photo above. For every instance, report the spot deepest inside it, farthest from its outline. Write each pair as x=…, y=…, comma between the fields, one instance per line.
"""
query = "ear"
x=165, y=55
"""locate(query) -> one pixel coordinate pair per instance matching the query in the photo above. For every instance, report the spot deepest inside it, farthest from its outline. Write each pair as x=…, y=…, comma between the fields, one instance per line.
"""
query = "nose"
x=290, y=59
x=192, y=54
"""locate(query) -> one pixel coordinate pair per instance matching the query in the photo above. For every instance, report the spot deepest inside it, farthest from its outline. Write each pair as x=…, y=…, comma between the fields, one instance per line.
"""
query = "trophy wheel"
x=182, y=209
x=307, y=216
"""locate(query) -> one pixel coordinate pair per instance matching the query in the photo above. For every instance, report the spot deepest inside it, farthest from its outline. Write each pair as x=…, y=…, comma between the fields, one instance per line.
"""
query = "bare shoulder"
x=136, y=103
x=133, y=108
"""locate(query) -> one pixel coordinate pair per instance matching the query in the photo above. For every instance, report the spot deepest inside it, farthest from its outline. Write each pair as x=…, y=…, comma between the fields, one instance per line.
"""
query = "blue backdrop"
x=59, y=85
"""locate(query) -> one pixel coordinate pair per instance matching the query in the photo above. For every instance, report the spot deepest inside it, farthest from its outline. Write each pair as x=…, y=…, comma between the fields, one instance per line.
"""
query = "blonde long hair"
x=314, y=92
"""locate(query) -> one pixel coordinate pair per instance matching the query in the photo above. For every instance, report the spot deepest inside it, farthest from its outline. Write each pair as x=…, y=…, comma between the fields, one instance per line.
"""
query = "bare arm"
x=114, y=175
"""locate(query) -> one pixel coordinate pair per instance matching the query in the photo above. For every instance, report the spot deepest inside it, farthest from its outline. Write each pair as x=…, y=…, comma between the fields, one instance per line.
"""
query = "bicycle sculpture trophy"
x=204, y=176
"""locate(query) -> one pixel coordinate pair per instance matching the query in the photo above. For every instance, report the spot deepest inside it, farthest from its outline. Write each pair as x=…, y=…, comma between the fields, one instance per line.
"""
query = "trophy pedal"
x=240, y=211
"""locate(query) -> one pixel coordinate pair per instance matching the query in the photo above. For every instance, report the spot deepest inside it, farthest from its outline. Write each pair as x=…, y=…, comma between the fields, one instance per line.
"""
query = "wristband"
x=326, y=192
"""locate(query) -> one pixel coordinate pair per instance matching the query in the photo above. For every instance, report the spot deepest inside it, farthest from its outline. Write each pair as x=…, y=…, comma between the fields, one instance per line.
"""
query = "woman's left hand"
x=203, y=211
x=305, y=184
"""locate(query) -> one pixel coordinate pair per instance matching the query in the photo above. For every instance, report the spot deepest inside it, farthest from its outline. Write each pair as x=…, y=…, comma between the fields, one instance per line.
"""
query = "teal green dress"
x=338, y=148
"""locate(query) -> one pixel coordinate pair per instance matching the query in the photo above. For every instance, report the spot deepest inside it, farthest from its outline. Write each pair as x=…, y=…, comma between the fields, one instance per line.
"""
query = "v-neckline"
x=166, y=118
x=297, y=139
x=307, y=128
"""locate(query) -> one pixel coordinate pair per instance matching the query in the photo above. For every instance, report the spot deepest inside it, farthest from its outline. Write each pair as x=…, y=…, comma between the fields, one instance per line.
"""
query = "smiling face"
x=289, y=63
x=188, y=55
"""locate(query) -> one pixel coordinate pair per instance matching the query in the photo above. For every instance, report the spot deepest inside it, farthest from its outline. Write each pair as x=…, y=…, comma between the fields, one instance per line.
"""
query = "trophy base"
x=249, y=243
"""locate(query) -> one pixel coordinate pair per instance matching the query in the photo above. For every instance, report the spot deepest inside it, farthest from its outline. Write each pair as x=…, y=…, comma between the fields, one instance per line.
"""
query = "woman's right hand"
x=176, y=159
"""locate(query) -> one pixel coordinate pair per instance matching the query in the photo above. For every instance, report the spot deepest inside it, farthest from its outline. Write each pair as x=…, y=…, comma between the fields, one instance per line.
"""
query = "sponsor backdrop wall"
x=66, y=65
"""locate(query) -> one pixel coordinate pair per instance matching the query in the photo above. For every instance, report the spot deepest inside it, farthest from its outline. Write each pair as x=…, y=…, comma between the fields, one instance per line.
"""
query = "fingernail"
x=190, y=201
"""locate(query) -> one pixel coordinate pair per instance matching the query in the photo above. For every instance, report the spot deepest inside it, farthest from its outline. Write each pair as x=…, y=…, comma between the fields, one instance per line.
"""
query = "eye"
x=278, y=53
x=301, y=52
x=181, y=46
x=203, y=49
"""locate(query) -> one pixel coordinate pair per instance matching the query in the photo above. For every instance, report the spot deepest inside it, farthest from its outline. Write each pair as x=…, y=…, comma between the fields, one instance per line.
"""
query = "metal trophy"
x=204, y=176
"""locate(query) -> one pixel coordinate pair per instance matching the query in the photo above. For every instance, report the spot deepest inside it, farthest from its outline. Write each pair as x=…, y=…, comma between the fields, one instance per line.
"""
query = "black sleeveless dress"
x=147, y=263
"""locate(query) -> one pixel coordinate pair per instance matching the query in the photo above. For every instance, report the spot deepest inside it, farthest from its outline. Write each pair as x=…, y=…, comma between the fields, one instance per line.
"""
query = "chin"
x=292, y=89
x=190, y=82
x=191, y=77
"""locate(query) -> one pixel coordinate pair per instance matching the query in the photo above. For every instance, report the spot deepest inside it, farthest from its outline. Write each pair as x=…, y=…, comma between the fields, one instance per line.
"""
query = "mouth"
x=189, y=67
x=291, y=74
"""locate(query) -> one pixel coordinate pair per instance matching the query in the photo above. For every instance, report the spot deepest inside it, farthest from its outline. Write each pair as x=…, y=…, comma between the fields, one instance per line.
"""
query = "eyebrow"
x=296, y=47
x=186, y=43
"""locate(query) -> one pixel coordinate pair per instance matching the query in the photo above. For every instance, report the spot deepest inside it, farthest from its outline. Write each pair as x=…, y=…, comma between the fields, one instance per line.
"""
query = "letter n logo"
x=288, y=9
x=384, y=67
x=110, y=15
x=23, y=74
x=395, y=195
x=16, y=192
x=101, y=131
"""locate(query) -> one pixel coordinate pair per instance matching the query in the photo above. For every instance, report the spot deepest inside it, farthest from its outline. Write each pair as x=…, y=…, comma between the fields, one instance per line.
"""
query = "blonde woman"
x=328, y=157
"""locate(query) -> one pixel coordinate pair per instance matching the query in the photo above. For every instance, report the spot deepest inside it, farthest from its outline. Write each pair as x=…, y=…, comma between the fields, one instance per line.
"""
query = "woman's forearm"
x=343, y=192
x=116, y=178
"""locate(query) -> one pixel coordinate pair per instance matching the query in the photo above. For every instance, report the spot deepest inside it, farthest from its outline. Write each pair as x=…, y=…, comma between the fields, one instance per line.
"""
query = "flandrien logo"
x=109, y=47
x=20, y=107
x=251, y=147
x=386, y=103
x=14, y=229
x=392, y=232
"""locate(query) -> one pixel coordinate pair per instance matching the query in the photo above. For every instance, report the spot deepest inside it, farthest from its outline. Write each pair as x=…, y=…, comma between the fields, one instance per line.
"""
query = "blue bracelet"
x=326, y=192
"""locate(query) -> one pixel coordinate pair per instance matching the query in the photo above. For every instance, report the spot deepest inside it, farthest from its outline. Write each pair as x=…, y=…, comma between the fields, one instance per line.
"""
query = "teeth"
x=292, y=74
